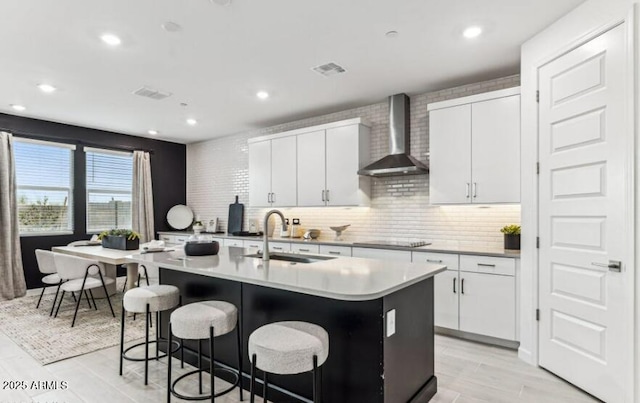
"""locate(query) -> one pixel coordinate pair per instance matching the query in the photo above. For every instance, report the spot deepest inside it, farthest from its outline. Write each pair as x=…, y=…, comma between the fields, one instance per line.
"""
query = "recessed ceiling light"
x=18, y=108
x=472, y=32
x=391, y=34
x=46, y=88
x=262, y=94
x=110, y=39
x=152, y=132
x=192, y=122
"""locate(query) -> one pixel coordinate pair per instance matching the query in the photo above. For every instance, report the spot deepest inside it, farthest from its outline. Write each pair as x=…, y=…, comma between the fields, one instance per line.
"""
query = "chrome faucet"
x=265, y=253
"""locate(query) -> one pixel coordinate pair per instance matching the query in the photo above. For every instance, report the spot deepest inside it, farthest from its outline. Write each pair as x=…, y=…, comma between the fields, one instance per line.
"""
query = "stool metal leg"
x=181, y=353
x=86, y=295
x=40, y=299
x=211, y=376
x=122, y=340
x=158, y=335
x=239, y=333
x=265, y=387
x=93, y=300
x=56, y=297
x=252, y=384
x=146, y=349
x=169, y=365
x=200, y=366
x=315, y=379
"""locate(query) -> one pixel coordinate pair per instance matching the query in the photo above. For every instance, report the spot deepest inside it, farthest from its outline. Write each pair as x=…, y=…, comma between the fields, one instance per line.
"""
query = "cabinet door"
x=311, y=168
x=488, y=305
x=446, y=289
x=305, y=248
x=450, y=155
x=259, y=173
x=495, y=145
x=279, y=247
x=283, y=171
x=343, y=181
x=233, y=242
x=335, y=250
x=382, y=254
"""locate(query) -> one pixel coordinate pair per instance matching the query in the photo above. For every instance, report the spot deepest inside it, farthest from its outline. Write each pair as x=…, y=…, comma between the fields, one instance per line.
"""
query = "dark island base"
x=363, y=365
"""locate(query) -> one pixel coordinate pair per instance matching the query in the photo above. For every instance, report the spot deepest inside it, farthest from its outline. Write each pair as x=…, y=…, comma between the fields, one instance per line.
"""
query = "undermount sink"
x=292, y=257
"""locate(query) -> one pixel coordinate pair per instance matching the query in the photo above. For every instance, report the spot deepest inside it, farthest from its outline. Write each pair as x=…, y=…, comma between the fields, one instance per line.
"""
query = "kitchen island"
x=379, y=316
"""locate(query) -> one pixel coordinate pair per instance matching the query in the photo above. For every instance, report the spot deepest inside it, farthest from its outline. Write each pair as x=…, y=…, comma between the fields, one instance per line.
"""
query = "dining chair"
x=47, y=266
x=81, y=275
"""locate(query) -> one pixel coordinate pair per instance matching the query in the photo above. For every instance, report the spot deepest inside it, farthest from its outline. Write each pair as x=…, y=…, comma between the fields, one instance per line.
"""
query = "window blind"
x=44, y=175
x=109, y=183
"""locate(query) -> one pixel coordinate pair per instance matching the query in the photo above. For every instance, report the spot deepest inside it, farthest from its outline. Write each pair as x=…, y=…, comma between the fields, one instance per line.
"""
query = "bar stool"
x=154, y=298
x=199, y=321
x=288, y=348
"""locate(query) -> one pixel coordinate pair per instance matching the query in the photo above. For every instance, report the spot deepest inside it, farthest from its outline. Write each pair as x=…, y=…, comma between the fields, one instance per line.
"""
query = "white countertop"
x=343, y=278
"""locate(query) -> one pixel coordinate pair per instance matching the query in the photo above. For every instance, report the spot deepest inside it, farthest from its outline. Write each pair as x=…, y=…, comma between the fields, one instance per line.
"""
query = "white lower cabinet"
x=279, y=247
x=304, y=248
x=445, y=288
x=253, y=244
x=335, y=250
x=382, y=254
x=233, y=242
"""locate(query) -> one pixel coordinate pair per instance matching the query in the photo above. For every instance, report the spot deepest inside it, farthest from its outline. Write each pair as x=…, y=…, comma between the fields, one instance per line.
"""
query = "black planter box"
x=120, y=242
x=512, y=241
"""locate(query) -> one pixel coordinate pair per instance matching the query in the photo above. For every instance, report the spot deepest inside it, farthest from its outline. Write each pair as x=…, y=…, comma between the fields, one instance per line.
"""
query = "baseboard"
x=526, y=356
x=510, y=344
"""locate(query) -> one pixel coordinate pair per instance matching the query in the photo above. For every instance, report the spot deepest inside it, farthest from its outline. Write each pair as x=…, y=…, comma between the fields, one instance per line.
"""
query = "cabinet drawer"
x=279, y=247
x=233, y=242
x=335, y=250
x=303, y=248
x=488, y=264
x=167, y=238
x=382, y=254
x=181, y=239
x=254, y=244
x=447, y=259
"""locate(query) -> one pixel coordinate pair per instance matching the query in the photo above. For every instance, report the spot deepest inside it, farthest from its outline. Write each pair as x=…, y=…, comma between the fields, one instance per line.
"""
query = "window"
x=109, y=183
x=44, y=175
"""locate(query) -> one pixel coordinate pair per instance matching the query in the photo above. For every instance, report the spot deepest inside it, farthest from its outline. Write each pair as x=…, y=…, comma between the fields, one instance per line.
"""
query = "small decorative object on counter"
x=285, y=233
x=122, y=239
x=511, y=236
x=312, y=234
x=339, y=230
x=201, y=246
x=197, y=226
x=295, y=228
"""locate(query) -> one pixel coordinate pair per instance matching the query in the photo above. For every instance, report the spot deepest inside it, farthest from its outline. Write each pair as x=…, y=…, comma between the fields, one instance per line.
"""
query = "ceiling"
x=223, y=55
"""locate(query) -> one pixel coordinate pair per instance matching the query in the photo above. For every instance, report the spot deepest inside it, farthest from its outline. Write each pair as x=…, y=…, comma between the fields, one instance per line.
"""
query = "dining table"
x=110, y=259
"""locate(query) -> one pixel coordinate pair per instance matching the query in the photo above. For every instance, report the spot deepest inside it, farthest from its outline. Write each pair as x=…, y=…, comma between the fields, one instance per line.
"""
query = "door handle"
x=475, y=190
x=434, y=261
x=467, y=192
x=334, y=252
x=454, y=285
x=486, y=265
x=304, y=250
x=323, y=196
x=462, y=286
x=327, y=194
x=613, y=265
x=273, y=197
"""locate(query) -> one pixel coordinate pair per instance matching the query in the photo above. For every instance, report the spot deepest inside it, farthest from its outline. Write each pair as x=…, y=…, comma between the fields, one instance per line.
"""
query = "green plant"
x=510, y=229
x=131, y=235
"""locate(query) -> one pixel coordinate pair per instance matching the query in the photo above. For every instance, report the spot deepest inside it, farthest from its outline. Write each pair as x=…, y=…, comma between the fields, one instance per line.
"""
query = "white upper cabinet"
x=347, y=150
x=311, y=169
x=474, y=149
x=272, y=172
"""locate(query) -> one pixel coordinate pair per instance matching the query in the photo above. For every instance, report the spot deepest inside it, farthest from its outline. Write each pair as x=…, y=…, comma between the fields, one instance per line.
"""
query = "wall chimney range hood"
x=398, y=162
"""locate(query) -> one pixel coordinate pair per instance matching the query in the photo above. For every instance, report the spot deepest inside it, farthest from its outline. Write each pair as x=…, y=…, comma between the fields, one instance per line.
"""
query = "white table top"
x=105, y=255
x=343, y=278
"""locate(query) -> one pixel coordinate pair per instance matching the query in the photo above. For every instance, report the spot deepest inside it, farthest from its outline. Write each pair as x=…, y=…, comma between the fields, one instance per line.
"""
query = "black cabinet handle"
x=434, y=261
x=462, y=286
x=454, y=285
x=486, y=265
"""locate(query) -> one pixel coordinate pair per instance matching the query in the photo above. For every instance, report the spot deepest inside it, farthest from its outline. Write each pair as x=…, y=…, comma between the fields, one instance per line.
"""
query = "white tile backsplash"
x=217, y=170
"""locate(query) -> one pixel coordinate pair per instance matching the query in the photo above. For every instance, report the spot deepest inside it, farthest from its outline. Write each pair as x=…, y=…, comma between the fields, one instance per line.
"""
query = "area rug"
x=49, y=340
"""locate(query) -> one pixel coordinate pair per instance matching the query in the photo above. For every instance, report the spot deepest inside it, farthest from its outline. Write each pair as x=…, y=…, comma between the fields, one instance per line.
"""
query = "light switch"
x=391, y=323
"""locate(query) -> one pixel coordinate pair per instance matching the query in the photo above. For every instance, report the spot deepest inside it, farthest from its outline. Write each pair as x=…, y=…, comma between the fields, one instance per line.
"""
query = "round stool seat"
x=159, y=297
x=194, y=320
x=288, y=347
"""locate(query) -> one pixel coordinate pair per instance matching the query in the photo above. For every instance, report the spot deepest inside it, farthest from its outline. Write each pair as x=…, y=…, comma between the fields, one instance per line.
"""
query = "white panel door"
x=488, y=304
x=342, y=166
x=450, y=155
x=311, y=169
x=586, y=166
x=446, y=289
x=260, y=174
x=495, y=145
x=283, y=171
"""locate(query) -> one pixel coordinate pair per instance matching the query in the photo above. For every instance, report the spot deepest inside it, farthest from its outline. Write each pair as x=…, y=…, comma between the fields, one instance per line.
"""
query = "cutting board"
x=236, y=215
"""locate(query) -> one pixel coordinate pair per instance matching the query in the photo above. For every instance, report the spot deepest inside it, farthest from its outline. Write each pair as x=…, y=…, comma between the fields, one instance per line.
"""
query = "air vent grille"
x=152, y=93
x=329, y=69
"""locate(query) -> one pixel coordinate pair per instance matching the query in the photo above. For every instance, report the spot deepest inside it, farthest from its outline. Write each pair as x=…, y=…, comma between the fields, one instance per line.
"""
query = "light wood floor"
x=467, y=372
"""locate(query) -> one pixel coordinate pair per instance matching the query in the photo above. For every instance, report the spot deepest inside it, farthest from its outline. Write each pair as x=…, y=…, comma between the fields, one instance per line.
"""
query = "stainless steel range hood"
x=398, y=162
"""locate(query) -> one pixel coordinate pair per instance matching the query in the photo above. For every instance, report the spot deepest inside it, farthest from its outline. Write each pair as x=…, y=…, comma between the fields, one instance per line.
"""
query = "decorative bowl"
x=201, y=248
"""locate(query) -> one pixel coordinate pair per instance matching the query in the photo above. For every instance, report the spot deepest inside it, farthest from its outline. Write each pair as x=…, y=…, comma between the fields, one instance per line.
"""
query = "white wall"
x=218, y=169
x=583, y=23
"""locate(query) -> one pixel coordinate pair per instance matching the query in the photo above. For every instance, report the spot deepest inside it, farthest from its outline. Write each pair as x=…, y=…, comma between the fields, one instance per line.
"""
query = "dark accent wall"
x=168, y=171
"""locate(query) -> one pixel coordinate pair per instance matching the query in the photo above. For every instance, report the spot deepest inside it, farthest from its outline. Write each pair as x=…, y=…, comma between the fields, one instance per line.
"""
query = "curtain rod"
x=74, y=141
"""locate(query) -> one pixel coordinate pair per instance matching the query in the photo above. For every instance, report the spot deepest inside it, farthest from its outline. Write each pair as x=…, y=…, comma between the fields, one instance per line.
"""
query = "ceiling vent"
x=329, y=69
x=152, y=93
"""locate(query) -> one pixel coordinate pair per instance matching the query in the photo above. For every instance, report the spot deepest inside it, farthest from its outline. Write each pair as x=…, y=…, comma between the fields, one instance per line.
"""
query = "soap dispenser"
x=284, y=233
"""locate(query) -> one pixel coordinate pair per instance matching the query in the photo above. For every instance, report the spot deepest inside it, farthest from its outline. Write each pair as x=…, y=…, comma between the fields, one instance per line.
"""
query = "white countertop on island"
x=343, y=278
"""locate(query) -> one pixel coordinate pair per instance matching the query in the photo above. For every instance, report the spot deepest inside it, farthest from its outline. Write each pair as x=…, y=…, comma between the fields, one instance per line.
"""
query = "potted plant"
x=123, y=239
x=511, y=236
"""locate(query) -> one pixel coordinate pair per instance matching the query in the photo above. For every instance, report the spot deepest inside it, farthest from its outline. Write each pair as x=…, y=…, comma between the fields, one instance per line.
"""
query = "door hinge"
x=538, y=168
x=537, y=315
x=537, y=242
x=537, y=96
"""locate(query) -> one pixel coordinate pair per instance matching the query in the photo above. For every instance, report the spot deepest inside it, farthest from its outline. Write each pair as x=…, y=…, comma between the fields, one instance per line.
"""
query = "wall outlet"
x=391, y=322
